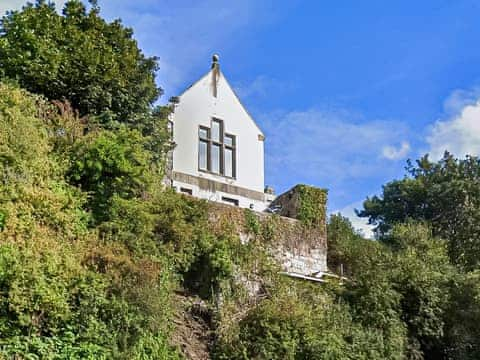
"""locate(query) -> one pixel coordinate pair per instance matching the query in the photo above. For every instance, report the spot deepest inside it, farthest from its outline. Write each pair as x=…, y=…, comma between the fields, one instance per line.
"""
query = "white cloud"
x=261, y=86
x=459, y=99
x=460, y=135
x=6, y=5
x=185, y=35
x=333, y=145
x=360, y=224
x=393, y=153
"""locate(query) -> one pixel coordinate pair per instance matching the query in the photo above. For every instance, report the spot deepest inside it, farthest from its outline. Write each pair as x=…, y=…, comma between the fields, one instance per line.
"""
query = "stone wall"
x=298, y=248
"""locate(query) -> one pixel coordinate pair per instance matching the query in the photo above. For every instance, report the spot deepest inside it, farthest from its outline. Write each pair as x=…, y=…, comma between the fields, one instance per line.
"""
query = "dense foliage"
x=395, y=304
x=312, y=205
x=78, y=57
x=64, y=293
x=94, y=251
x=445, y=197
x=444, y=193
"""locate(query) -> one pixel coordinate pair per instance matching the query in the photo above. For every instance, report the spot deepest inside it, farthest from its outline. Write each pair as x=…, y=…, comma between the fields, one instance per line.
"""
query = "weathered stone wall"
x=298, y=248
x=303, y=202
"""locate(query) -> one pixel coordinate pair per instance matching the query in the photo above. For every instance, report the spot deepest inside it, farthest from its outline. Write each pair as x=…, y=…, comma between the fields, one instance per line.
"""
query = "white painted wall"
x=197, y=106
x=217, y=196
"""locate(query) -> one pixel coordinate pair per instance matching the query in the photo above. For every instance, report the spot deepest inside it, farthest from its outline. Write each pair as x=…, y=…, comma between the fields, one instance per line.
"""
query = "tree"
x=79, y=57
x=343, y=240
x=446, y=194
x=111, y=164
x=66, y=293
x=405, y=285
x=304, y=322
x=462, y=334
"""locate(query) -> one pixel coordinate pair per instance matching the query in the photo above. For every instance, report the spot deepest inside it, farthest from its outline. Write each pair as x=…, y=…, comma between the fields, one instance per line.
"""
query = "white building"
x=218, y=152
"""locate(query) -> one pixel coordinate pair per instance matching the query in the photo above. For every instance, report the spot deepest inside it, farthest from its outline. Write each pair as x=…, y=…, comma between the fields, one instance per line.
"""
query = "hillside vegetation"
x=99, y=261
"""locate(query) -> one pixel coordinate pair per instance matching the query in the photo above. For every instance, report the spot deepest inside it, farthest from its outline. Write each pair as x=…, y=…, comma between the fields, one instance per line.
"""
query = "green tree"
x=406, y=285
x=305, y=322
x=462, y=333
x=111, y=164
x=446, y=194
x=79, y=57
x=343, y=241
x=66, y=293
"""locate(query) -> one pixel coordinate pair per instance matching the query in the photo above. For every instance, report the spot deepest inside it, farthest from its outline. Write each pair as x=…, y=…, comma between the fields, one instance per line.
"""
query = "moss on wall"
x=272, y=229
x=311, y=205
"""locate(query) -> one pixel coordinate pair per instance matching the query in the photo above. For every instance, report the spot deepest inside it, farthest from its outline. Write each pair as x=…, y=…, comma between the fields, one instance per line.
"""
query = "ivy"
x=252, y=224
x=312, y=205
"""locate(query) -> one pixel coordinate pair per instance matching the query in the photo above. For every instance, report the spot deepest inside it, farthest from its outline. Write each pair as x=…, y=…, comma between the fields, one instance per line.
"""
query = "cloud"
x=459, y=99
x=260, y=87
x=10, y=5
x=328, y=147
x=6, y=5
x=460, y=135
x=185, y=35
x=360, y=224
x=393, y=153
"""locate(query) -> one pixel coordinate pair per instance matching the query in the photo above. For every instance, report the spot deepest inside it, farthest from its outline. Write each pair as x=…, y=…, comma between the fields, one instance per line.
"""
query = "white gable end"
x=197, y=109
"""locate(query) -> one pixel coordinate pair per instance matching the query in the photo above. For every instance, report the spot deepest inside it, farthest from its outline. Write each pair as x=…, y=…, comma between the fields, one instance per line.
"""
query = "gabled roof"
x=233, y=91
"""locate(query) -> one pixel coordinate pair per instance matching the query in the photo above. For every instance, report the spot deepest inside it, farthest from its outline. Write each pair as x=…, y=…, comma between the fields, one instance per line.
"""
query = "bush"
x=64, y=292
x=110, y=164
x=303, y=322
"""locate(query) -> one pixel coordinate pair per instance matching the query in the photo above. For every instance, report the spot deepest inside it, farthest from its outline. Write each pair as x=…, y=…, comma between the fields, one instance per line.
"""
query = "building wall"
x=299, y=250
x=217, y=196
x=196, y=108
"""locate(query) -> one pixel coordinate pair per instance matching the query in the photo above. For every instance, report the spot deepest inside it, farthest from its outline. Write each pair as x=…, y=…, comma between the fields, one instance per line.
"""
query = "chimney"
x=215, y=73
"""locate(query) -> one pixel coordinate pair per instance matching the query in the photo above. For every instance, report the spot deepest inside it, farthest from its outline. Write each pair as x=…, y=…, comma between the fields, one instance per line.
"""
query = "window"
x=216, y=150
x=186, y=191
x=228, y=140
x=230, y=201
x=228, y=171
x=216, y=130
x=203, y=134
x=215, y=159
x=202, y=155
x=229, y=155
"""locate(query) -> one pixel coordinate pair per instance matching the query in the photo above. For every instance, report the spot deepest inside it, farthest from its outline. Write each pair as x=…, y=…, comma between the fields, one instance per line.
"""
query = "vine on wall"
x=312, y=205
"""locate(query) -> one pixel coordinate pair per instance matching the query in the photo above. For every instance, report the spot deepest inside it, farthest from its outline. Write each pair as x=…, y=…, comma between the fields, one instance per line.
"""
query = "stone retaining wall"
x=298, y=248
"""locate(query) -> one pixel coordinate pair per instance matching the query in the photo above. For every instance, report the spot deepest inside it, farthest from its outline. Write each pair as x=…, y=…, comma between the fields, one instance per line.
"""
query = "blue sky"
x=345, y=91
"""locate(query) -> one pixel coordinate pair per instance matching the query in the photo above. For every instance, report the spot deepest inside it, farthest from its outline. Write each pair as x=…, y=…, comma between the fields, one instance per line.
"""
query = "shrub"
x=109, y=164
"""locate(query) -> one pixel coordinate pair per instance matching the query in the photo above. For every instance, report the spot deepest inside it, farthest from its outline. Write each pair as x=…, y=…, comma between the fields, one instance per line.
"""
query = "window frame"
x=233, y=148
x=230, y=201
x=186, y=191
x=222, y=147
x=207, y=141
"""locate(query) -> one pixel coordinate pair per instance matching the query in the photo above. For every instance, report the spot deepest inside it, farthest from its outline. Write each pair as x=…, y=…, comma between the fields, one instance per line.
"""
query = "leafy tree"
x=64, y=291
x=79, y=57
x=21, y=130
x=304, y=322
x=343, y=240
x=446, y=194
x=111, y=164
x=407, y=285
x=462, y=333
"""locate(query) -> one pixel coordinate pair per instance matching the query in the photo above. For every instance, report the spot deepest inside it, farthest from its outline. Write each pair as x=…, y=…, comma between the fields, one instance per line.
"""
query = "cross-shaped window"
x=216, y=150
